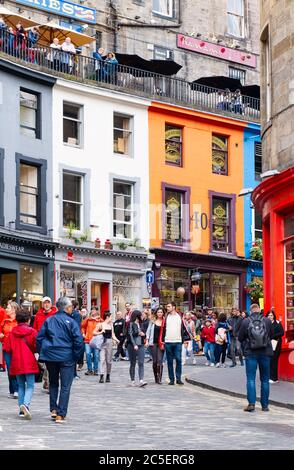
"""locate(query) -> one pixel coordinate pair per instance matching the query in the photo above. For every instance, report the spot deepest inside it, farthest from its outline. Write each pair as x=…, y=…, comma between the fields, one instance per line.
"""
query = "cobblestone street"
x=118, y=416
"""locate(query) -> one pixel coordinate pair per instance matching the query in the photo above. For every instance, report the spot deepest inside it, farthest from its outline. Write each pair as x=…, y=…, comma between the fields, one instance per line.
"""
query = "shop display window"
x=32, y=285
x=174, y=285
x=289, y=284
x=73, y=284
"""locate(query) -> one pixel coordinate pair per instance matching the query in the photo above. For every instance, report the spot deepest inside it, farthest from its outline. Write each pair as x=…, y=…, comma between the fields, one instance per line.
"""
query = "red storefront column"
x=104, y=298
x=274, y=197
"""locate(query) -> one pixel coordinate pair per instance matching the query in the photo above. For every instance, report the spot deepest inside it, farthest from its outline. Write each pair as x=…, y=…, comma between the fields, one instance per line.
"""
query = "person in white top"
x=66, y=58
x=54, y=54
x=173, y=336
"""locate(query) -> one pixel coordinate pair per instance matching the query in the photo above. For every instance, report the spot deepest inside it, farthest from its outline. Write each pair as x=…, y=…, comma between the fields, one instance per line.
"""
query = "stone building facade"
x=151, y=29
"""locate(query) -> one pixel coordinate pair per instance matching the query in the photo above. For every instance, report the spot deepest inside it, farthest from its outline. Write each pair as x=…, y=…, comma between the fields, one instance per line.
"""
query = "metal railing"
x=129, y=79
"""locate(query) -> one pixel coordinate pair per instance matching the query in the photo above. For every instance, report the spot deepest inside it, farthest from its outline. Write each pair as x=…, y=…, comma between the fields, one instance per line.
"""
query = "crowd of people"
x=230, y=101
x=51, y=346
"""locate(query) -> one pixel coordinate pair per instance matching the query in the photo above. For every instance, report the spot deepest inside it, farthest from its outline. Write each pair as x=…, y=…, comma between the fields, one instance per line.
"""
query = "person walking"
x=174, y=335
x=136, y=348
x=276, y=345
x=21, y=344
x=92, y=355
x=59, y=344
x=78, y=318
x=187, y=348
x=155, y=343
x=119, y=331
x=3, y=316
x=6, y=328
x=221, y=340
x=46, y=311
x=208, y=335
x=235, y=322
x=106, y=328
x=255, y=334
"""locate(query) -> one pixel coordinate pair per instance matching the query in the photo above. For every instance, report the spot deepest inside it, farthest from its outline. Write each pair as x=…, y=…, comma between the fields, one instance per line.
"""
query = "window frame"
x=176, y=126
x=168, y=16
x=254, y=230
x=234, y=14
x=81, y=204
x=41, y=164
x=2, y=187
x=38, y=134
x=238, y=74
x=227, y=153
x=185, y=226
x=257, y=174
x=132, y=211
x=79, y=121
x=231, y=199
x=130, y=131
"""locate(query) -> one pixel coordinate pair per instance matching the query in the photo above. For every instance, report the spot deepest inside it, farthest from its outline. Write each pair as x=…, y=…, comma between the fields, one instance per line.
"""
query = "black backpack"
x=257, y=333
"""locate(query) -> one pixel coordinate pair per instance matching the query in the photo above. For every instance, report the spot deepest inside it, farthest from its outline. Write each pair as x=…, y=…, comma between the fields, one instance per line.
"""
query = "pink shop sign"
x=216, y=50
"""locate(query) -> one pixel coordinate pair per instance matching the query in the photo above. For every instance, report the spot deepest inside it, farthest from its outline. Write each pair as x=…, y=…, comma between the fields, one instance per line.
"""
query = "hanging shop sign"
x=63, y=8
x=216, y=50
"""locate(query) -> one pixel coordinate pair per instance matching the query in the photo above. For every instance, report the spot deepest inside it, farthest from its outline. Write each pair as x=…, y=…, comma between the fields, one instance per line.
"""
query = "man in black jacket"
x=119, y=331
x=235, y=322
x=256, y=329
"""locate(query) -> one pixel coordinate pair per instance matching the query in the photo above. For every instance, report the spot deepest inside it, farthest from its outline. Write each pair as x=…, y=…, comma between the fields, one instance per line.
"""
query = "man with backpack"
x=255, y=334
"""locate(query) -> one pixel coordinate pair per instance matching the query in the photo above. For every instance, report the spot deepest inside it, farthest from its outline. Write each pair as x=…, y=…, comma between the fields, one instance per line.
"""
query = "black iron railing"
x=129, y=79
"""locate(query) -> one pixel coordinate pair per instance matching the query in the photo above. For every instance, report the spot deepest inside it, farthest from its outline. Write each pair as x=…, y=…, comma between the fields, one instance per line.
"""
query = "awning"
x=162, y=67
x=219, y=82
x=52, y=30
x=11, y=18
x=251, y=90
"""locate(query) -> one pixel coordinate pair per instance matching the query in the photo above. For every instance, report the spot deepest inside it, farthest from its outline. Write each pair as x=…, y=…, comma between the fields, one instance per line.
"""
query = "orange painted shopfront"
x=196, y=174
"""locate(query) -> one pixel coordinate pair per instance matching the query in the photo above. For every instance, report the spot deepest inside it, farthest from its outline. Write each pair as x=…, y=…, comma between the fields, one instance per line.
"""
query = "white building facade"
x=100, y=195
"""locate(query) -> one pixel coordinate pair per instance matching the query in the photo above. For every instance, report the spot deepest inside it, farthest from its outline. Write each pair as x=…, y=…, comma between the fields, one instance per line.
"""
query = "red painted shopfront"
x=275, y=198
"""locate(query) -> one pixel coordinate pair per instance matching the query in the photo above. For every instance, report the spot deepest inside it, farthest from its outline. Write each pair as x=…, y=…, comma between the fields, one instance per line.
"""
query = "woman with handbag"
x=154, y=341
x=277, y=345
x=136, y=347
x=106, y=329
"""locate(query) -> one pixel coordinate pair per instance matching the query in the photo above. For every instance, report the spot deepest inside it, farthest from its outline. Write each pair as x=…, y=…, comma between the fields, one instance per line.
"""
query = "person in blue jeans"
x=208, y=334
x=59, y=344
x=257, y=356
x=174, y=334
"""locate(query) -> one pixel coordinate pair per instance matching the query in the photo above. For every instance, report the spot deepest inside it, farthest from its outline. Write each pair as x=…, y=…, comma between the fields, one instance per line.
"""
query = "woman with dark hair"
x=136, y=348
x=276, y=344
x=221, y=340
x=154, y=341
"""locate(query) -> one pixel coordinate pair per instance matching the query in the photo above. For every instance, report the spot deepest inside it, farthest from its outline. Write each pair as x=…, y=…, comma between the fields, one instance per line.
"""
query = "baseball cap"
x=45, y=299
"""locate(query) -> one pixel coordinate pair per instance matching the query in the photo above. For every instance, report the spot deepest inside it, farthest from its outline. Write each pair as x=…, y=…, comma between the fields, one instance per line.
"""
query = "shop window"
x=123, y=217
x=257, y=160
x=163, y=7
x=126, y=288
x=174, y=285
x=72, y=124
x=31, y=194
x=1, y=186
x=32, y=284
x=235, y=16
x=173, y=145
x=122, y=134
x=219, y=154
x=225, y=291
x=74, y=284
x=289, y=282
x=72, y=200
x=30, y=119
x=221, y=225
x=257, y=225
x=289, y=226
x=239, y=74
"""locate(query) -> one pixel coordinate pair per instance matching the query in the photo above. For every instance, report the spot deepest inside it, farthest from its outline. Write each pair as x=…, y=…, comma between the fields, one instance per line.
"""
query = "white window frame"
x=23, y=103
x=81, y=204
x=233, y=13
x=130, y=132
x=28, y=193
x=170, y=8
x=79, y=121
x=253, y=227
x=131, y=211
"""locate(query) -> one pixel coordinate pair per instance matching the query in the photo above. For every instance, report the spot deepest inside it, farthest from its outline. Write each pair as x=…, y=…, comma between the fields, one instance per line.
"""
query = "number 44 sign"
x=49, y=253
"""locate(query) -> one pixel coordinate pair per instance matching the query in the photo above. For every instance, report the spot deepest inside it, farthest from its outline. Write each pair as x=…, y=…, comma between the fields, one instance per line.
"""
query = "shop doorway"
x=8, y=286
x=100, y=296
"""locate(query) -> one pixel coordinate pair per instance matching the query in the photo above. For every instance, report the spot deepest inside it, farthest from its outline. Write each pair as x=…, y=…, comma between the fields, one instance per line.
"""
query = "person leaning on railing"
x=66, y=58
x=111, y=68
x=53, y=56
x=99, y=64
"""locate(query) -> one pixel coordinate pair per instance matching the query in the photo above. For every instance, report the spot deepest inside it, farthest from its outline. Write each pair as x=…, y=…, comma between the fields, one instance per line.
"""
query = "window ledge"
x=72, y=146
x=122, y=155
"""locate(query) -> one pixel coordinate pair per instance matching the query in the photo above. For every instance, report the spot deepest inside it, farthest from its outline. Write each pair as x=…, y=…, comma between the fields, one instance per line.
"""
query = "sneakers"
x=249, y=408
x=217, y=365
x=207, y=363
x=273, y=381
x=194, y=361
x=171, y=382
x=95, y=372
x=223, y=366
x=133, y=383
x=15, y=395
x=233, y=365
x=212, y=365
x=179, y=382
x=26, y=412
x=21, y=414
x=60, y=419
x=53, y=414
x=142, y=383
x=265, y=408
x=89, y=372
x=77, y=377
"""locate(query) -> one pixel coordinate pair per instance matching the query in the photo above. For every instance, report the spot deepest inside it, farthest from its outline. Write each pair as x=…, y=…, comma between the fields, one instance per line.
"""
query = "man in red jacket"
x=42, y=314
x=21, y=344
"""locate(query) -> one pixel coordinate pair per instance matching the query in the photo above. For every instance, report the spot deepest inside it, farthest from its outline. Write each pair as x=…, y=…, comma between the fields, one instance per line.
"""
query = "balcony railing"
x=129, y=79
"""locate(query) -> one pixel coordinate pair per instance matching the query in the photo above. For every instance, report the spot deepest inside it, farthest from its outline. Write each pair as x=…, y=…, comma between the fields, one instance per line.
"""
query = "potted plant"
x=85, y=236
x=71, y=228
x=122, y=245
x=256, y=250
x=254, y=288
